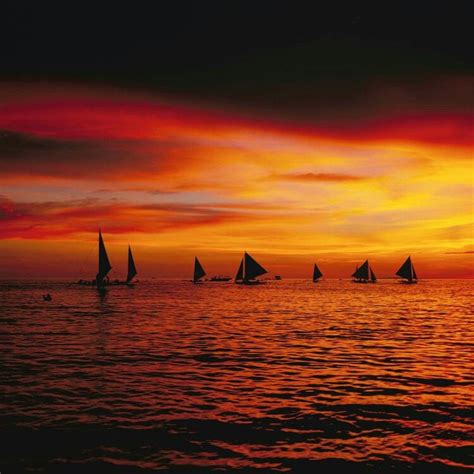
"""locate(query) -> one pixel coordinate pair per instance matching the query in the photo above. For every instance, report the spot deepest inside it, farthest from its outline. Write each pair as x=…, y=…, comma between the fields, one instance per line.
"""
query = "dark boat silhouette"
x=221, y=278
x=101, y=279
x=407, y=272
x=198, y=271
x=277, y=277
x=364, y=274
x=249, y=270
x=132, y=269
x=131, y=272
x=104, y=264
x=316, y=273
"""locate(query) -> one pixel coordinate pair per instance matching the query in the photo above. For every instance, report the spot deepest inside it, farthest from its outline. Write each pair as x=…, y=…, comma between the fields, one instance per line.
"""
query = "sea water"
x=289, y=376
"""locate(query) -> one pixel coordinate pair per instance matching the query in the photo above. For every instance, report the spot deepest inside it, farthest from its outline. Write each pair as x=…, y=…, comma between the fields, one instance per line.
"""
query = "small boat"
x=407, y=272
x=316, y=273
x=104, y=265
x=221, y=278
x=364, y=274
x=249, y=270
x=277, y=277
x=132, y=269
x=198, y=271
x=102, y=280
x=47, y=297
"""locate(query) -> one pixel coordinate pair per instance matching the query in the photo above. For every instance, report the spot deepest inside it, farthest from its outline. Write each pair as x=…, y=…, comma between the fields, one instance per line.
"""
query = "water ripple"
x=287, y=377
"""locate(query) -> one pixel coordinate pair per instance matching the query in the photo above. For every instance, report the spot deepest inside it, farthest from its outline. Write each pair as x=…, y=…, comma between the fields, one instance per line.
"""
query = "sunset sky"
x=333, y=141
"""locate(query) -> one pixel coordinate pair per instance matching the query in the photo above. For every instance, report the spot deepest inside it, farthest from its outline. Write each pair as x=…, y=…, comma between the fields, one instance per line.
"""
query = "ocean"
x=289, y=376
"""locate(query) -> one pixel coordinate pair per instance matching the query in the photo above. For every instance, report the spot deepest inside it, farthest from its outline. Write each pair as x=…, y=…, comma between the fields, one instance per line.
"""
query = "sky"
x=202, y=131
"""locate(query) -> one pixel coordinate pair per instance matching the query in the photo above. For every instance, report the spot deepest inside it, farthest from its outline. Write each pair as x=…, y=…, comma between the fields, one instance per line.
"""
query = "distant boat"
x=198, y=271
x=277, y=277
x=316, y=273
x=249, y=270
x=104, y=264
x=221, y=278
x=364, y=274
x=407, y=271
x=132, y=270
x=101, y=279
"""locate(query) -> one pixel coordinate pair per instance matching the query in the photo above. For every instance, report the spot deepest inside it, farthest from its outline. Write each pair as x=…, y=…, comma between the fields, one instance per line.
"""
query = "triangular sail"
x=240, y=271
x=316, y=273
x=372, y=275
x=132, y=270
x=252, y=268
x=406, y=270
x=104, y=264
x=362, y=272
x=198, y=270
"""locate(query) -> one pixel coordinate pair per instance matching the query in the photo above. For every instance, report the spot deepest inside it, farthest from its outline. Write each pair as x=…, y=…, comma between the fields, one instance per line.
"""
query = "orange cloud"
x=189, y=178
x=319, y=177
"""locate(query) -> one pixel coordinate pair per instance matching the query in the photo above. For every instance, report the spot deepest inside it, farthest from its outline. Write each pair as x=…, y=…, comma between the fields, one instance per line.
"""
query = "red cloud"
x=50, y=220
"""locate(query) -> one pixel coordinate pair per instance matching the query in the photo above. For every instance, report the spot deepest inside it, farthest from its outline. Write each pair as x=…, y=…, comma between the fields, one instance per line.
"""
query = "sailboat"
x=316, y=274
x=249, y=270
x=104, y=264
x=221, y=278
x=407, y=271
x=132, y=269
x=364, y=274
x=198, y=271
x=101, y=278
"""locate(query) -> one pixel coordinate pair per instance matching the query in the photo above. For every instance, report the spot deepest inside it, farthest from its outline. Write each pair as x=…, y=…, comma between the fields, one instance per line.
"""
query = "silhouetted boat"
x=198, y=271
x=132, y=270
x=316, y=274
x=407, y=271
x=277, y=277
x=101, y=279
x=131, y=273
x=221, y=278
x=104, y=264
x=249, y=270
x=364, y=274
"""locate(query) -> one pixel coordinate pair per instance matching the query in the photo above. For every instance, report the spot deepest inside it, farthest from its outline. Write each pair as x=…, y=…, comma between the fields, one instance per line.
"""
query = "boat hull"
x=93, y=284
x=249, y=282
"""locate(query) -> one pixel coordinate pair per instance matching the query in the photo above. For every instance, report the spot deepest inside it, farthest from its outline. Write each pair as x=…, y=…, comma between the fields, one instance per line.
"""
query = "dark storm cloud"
x=27, y=154
x=261, y=54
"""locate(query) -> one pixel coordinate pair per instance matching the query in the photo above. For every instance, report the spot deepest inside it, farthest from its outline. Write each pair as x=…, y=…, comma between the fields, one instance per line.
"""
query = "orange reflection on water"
x=288, y=375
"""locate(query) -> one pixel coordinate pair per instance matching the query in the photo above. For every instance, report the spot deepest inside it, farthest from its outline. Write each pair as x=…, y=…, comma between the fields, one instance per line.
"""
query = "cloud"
x=52, y=220
x=319, y=177
x=24, y=154
x=460, y=252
